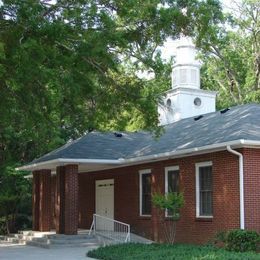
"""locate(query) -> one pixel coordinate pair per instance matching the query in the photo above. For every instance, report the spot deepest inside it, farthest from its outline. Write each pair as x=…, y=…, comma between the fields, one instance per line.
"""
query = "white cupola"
x=185, y=99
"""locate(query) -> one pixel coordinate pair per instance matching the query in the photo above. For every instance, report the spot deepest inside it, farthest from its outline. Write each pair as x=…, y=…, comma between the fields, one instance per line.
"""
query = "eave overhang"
x=90, y=165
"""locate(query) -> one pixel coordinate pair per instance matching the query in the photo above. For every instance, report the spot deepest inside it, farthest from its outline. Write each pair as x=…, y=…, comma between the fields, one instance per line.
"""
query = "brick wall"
x=71, y=200
x=53, y=202
x=189, y=229
x=35, y=201
x=44, y=200
x=252, y=188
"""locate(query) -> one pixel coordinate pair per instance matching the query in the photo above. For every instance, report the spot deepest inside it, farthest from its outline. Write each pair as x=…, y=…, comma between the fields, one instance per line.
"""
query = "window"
x=204, y=189
x=145, y=193
x=172, y=181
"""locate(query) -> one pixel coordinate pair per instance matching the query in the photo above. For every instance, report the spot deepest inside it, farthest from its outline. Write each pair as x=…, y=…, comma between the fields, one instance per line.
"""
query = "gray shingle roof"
x=240, y=122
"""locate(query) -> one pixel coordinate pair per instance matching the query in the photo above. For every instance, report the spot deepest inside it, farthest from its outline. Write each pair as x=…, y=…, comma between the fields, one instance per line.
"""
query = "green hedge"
x=167, y=252
x=242, y=240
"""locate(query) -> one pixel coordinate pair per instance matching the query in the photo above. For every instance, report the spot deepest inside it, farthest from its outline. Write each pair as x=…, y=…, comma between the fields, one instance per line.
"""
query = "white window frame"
x=166, y=170
x=141, y=172
x=198, y=166
x=166, y=188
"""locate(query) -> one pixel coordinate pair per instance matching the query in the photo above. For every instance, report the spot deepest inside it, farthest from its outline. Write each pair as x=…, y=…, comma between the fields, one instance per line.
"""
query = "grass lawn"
x=167, y=252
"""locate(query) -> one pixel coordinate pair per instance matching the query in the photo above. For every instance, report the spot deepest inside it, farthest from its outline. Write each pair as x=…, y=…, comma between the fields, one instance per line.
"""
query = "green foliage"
x=67, y=67
x=172, y=202
x=241, y=240
x=230, y=55
x=221, y=237
x=166, y=252
x=15, y=200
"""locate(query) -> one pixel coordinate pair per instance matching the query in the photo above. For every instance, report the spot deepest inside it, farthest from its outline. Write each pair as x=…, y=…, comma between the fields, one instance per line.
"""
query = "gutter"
x=63, y=161
x=143, y=159
x=241, y=185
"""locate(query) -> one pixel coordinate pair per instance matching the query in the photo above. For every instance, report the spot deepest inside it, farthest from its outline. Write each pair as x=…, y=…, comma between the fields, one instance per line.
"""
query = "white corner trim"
x=241, y=185
x=141, y=172
x=197, y=183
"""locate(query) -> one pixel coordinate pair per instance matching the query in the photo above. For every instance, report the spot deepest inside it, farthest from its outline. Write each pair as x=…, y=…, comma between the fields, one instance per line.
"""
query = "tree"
x=68, y=67
x=15, y=194
x=169, y=204
x=231, y=56
x=60, y=61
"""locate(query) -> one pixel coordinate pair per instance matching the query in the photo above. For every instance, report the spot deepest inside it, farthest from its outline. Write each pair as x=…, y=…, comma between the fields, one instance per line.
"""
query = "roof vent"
x=223, y=111
x=198, y=118
x=118, y=134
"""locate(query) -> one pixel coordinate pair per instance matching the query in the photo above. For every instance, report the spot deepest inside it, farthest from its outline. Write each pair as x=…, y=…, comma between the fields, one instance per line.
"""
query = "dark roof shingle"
x=240, y=122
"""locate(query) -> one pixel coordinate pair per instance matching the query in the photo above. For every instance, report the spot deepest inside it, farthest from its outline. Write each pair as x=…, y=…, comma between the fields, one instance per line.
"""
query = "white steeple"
x=185, y=99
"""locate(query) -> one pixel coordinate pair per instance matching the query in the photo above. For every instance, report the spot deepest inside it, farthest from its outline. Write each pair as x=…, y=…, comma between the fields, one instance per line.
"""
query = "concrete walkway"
x=23, y=252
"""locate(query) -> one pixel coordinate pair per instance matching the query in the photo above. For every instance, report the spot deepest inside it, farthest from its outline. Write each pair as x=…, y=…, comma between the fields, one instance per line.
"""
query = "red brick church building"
x=213, y=157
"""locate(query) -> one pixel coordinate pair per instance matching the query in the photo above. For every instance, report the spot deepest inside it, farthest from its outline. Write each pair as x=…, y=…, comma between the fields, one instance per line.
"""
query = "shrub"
x=171, y=203
x=23, y=222
x=130, y=251
x=242, y=240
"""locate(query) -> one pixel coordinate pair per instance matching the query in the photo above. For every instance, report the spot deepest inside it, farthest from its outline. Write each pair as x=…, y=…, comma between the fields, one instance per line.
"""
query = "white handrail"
x=109, y=228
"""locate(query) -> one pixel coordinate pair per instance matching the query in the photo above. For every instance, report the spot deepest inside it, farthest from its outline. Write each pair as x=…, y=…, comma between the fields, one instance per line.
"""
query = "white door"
x=105, y=202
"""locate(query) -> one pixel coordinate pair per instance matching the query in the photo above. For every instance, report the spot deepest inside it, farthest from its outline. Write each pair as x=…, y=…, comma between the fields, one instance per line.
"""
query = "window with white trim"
x=145, y=193
x=172, y=179
x=204, y=199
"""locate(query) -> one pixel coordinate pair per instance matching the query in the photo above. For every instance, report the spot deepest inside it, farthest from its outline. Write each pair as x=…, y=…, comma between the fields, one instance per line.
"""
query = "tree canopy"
x=231, y=56
x=67, y=67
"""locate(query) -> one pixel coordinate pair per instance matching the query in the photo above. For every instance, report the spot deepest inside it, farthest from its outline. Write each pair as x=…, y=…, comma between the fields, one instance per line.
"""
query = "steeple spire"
x=186, y=69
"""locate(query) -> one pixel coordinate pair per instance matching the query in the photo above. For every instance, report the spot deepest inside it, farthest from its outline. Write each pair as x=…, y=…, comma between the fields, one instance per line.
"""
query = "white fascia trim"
x=64, y=161
x=190, y=151
x=121, y=161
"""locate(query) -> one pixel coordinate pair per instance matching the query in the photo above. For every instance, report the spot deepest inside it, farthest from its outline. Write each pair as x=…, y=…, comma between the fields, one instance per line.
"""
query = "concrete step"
x=38, y=244
x=51, y=239
x=69, y=237
x=50, y=244
x=36, y=233
x=14, y=240
x=61, y=240
x=74, y=242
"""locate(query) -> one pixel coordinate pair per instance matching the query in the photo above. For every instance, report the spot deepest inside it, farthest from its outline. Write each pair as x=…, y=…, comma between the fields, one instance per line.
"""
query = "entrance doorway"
x=105, y=198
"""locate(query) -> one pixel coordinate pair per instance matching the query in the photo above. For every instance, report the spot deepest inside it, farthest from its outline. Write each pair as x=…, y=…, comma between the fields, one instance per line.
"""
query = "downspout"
x=241, y=186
